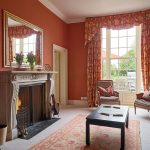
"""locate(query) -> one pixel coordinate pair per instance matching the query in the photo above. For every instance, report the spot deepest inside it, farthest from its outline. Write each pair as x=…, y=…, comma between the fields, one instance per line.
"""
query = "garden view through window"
x=119, y=57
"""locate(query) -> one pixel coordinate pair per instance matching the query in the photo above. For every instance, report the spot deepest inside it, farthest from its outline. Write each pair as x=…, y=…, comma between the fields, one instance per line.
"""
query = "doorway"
x=60, y=65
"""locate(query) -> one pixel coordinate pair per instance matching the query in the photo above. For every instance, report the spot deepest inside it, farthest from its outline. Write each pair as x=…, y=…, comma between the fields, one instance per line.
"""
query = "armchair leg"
x=135, y=109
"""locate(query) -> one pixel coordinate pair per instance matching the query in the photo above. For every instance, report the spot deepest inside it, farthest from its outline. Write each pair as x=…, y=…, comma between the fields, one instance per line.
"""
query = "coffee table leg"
x=87, y=133
x=127, y=120
x=122, y=137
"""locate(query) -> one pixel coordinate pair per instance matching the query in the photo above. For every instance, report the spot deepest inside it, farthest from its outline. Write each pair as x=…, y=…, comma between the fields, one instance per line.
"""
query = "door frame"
x=64, y=73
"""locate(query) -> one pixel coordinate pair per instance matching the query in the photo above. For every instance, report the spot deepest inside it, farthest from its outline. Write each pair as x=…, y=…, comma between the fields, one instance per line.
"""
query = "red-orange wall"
x=55, y=30
x=77, y=56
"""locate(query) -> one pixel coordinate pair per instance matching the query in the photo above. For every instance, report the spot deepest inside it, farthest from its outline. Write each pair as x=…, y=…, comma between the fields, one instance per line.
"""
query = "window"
x=120, y=52
x=25, y=45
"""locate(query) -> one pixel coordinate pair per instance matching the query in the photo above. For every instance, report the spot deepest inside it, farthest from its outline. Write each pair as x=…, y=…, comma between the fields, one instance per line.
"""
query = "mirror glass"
x=21, y=37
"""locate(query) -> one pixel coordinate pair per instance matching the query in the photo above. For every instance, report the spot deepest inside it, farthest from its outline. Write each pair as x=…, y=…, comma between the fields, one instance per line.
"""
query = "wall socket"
x=83, y=98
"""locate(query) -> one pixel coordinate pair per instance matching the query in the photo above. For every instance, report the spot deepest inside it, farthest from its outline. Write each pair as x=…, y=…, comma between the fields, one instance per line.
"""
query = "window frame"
x=137, y=56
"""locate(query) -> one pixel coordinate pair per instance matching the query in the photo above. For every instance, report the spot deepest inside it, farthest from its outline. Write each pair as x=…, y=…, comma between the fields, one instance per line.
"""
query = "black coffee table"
x=115, y=116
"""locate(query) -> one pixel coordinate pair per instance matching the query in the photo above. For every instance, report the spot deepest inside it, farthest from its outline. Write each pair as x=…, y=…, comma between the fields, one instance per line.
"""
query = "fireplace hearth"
x=33, y=89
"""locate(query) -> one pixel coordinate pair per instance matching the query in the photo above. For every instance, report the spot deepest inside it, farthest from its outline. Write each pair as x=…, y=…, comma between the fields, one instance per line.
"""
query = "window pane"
x=114, y=69
x=131, y=52
x=114, y=42
x=17, y=48
x=122, y=33
x=31, y=39
x=113, y=74
x=123, y=42
x=131, y=31
x=114, y=64
x=131, y=75
x=25, y=40
x=122, y=73
x=114, y=53
x=122, y=52
x=17, y=41
x=123, y=64
x=131, y=41
x=103, y=53
x=25, y=48
x=103, y=32
x=104, y=69
x=114, y=33
x=103, y=43
x=31, y=48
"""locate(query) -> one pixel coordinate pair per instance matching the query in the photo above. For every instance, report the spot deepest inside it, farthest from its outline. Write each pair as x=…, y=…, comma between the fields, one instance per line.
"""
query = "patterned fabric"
x=124, y=21
x=102, y=91
x=142, y=102
x=110, y=98
x=93, y=68
x=110, y=91
x=72, y=137
x=145, y=53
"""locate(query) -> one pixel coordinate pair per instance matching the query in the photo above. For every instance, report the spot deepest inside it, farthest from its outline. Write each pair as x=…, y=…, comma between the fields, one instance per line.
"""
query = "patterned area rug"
x=72, y=137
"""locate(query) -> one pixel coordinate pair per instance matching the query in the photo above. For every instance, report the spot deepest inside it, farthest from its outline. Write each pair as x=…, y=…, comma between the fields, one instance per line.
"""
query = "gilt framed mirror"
x=21, y=37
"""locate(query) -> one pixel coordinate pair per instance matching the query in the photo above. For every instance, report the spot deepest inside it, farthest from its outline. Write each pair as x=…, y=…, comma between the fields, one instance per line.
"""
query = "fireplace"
x=30, y=106
x=25, y=99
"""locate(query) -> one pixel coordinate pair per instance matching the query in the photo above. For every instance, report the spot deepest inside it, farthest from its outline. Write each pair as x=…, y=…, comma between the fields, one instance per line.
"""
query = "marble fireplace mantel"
x=10, y=82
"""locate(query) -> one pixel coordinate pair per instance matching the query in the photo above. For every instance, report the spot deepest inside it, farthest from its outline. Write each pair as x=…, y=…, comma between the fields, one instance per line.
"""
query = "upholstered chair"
x=105, y=93
x=142, y=101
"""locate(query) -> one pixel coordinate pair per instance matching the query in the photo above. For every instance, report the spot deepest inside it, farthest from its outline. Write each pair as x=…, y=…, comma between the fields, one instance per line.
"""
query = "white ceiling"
x=77, y=10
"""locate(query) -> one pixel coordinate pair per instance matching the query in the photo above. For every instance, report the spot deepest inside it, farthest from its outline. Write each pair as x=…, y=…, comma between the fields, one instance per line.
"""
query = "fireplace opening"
x=30, y=107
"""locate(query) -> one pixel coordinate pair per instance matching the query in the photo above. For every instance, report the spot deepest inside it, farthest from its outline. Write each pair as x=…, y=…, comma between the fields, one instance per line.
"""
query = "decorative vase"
x=31, y=66
x=19, y=65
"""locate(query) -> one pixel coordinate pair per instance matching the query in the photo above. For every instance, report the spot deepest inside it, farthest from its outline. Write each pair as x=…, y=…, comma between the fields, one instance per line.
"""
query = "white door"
x=60, y=65
x=57, y=76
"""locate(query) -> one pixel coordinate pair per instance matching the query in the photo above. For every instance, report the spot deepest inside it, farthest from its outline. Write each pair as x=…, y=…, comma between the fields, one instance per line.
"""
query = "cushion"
x=102, y=91
x=146, y=95
x=142, y=102
x=111, y=98
x=110, y=91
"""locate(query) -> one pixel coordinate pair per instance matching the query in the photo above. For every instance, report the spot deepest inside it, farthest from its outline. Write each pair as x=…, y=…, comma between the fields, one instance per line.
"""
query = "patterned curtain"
x=145, y=53
x=38, y=48
x=93, y=68
x=123, y=21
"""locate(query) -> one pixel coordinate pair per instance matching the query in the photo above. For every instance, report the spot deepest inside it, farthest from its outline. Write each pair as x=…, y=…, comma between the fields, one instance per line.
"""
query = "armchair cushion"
x=146, y=95
x=111, y=98
x=102, y=91
x=110, y=91
x=142, y=102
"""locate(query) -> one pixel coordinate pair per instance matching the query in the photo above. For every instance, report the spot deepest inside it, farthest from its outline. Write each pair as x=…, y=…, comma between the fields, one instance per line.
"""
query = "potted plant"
x=31, y=59
x=19, y=58
x=3, y=133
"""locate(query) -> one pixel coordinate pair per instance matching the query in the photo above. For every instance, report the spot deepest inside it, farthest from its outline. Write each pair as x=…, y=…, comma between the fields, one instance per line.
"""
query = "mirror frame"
x=7, y=15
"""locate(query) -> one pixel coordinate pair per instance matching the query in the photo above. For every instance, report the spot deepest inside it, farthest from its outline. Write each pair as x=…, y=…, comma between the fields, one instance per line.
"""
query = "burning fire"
x=18, y=103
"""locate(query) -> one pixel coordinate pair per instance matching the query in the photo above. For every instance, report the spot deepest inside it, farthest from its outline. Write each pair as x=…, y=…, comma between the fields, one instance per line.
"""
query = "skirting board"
x=78, y=102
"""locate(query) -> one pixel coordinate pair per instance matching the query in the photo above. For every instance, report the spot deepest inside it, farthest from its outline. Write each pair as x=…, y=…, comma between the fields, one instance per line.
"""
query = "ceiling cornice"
x=58, y=13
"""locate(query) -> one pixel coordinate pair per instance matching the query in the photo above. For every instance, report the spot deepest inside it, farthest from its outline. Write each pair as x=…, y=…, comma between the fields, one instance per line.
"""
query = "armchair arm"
x=139, y=95
x=116, y=93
